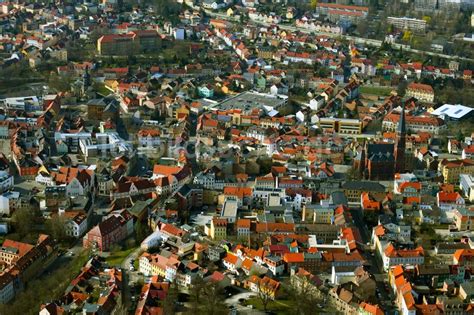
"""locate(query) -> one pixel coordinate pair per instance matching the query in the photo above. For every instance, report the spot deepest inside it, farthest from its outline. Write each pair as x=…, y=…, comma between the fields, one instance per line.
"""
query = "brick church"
x=381, y=160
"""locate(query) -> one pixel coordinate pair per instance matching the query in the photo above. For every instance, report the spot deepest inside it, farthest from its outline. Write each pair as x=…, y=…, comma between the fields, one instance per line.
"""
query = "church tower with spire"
x=400, y=143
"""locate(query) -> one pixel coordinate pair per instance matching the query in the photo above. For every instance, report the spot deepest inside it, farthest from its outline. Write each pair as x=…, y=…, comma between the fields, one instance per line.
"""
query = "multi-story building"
x=6, y=181
x=164, y=265
x=149, y=138
x=406, y=23
x=448, y=201
x=414, y=123
x=103, y=109
x=9, y=202
x=339, y=12
x=76, y=224
x=392, y=256
x=464, y=257
x=452, y=169
x=7, y=289
x=354, y=189
x=466, y=183
x=104, y=144
x=463, y=219
x=109, y=232
x=318, y=213
x=217, y=229
x=21, y=262
x=129, y=44
x=422, y=92
x=243, y=228
x=341, y=125
x=275, y=264
x=425, y=5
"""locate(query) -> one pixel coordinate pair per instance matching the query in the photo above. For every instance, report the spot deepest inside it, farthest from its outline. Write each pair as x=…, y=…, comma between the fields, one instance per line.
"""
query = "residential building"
x=76, y=224
x=78, y=181
x=392, y=256
x=6, y=181
x=206, y=91
x=422, y=92
x=9, y=202
x=243, y=228
x=318, y=213
x=21, y=262
x=405, y=23
x=449, y=200
x=232, y=262
x=368, y=203
x=216, y=253
x=265, y=285
x=217, y=229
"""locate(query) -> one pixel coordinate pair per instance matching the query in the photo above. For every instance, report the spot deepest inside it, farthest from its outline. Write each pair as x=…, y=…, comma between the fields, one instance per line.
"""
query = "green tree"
x=142, y=230
x=23, y=220
x=314, y=4
x=56, y=227
x=212, y=297
x=407, y=35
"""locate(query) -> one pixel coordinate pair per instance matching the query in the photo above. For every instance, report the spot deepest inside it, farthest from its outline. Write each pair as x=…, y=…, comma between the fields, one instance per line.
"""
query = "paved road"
x=357, y=40
x=234, y=301
x=129, y=277
x=358, y=218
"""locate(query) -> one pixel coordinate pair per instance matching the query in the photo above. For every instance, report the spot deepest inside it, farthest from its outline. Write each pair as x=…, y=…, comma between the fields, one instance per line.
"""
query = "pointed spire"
x=402, y=129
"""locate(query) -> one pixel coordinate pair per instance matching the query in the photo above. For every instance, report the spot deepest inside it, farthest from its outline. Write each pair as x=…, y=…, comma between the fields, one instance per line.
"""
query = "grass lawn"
x=180, y=49
x=278, y=306
x=375, y=90
x=116, y=258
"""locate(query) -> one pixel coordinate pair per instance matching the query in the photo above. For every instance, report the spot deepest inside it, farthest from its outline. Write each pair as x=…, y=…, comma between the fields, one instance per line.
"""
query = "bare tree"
x=196, y=294
x=169, y=303
x=263, y=294
x=303, y=293
x=212, y=298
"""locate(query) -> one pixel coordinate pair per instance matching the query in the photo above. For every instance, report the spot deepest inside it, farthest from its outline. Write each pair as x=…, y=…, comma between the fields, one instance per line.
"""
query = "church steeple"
x=400, y=143
x=401, y=128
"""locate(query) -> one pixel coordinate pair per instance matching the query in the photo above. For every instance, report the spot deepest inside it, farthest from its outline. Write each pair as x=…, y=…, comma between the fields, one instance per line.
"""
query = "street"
x=129, y=277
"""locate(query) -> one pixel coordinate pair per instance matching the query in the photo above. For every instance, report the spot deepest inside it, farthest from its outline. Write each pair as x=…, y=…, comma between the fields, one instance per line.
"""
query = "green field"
x=375, y=90
x=116, y=258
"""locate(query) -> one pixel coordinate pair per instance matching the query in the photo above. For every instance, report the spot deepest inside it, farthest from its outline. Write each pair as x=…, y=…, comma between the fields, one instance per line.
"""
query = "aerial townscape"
x=236, y=157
